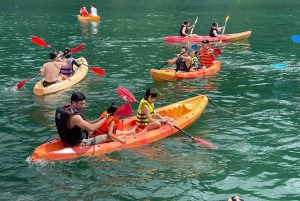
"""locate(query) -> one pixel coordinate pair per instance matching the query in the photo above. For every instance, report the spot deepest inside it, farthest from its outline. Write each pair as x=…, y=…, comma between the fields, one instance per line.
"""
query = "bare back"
x=52, y=70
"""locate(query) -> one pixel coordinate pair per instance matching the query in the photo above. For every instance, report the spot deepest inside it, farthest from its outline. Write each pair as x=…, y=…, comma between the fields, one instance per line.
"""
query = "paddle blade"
x=39, y=41
x=227, y=18
x=196, y=20
x=217, y=51
x=205, y=143
x=126, y=95
x=279, y=65
x=76, y=49
x=124, y=110
x=98, y=71
x=296, y=38
x=21, y=84
x=195, y=47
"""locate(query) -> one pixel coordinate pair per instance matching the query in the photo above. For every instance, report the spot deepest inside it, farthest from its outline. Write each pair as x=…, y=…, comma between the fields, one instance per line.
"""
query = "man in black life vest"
x=72, y=128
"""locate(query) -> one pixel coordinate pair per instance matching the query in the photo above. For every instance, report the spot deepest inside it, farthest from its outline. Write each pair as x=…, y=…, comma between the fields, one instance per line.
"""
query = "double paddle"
x=129, y=97
x=226, y=19
x=192, y=30
x=42, y=43
x=283, y=65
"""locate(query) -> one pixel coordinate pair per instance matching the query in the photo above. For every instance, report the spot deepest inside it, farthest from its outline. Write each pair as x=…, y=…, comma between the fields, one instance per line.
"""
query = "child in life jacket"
x=112, y=126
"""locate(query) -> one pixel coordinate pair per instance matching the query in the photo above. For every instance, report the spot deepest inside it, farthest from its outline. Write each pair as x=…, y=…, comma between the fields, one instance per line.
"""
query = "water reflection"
x=86, y=25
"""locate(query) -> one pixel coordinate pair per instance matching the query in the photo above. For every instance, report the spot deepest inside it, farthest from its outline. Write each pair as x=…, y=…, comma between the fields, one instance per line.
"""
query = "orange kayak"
x=168, y=75
x=185, y=112
x=89, y=18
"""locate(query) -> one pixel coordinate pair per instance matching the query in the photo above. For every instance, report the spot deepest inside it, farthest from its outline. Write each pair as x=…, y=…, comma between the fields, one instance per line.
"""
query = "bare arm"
x=42, y=70
x=77, y=120
x=145, y=110
x=111, y=135
x=183, y=31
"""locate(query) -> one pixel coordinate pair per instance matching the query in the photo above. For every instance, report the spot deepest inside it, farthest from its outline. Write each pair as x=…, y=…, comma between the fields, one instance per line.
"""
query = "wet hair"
x=236, y=198
x=186, y=22
x=214, y=23
x=67, y=50
x=150, y=92
x=77, y=96
x=53, y=54
x=112, y=108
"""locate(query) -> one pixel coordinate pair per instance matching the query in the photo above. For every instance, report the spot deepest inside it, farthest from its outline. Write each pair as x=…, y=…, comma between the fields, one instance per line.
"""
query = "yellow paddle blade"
x=196, y=20
x=226, y=19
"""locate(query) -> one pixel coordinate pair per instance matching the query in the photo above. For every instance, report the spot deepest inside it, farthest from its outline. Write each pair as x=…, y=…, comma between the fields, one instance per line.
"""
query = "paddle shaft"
x=167, y=62
x=181, y=130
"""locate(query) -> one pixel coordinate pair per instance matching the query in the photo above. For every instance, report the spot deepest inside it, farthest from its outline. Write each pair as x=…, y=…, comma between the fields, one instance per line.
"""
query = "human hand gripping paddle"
x=226, y=19
x=195, y=47
x=192, y=30
x=197, y=140
x=42, y=43
x=23, y=82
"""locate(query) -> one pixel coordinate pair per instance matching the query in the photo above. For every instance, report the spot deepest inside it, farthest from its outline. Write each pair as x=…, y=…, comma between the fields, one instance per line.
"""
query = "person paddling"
x=184, y=28
x=182, y=60
x=83, y=11
x=215, y=30
x=146, y=118
x=52, y=70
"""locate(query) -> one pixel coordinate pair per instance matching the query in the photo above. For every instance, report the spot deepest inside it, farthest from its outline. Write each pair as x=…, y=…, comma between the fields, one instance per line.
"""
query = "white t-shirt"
x=94, y=11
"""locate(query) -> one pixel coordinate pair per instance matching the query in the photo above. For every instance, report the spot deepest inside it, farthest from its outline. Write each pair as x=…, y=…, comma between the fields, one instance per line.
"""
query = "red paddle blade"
x=217, y=51
x=98, y=70
x=76, y=49
x=124, y=110
x=20, y=85
x=39, y=41
x=205, y=143
x=126, y=95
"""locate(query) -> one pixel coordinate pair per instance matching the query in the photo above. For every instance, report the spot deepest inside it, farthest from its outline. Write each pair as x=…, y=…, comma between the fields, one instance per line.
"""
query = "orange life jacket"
x=207, y=58
x=103, y=129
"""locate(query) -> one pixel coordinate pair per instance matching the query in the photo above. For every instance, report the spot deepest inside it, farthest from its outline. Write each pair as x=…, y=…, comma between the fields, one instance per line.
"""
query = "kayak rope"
x=223, y=108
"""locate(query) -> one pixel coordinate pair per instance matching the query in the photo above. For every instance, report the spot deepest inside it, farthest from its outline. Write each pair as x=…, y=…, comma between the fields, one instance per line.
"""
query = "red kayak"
x=199, y=39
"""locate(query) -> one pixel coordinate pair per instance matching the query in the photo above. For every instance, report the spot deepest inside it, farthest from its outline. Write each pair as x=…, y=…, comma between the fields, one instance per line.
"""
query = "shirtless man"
x=52, y=70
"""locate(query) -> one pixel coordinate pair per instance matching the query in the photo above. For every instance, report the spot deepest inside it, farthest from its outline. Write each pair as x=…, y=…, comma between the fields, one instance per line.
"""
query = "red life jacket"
x=84, y=12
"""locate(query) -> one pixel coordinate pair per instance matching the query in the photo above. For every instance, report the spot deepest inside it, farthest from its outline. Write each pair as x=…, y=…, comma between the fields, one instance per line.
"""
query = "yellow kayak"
x=80, y=73
x=89, y=18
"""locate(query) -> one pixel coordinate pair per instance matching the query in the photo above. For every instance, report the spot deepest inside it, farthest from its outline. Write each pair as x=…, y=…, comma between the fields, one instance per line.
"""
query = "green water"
x=252, y=115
